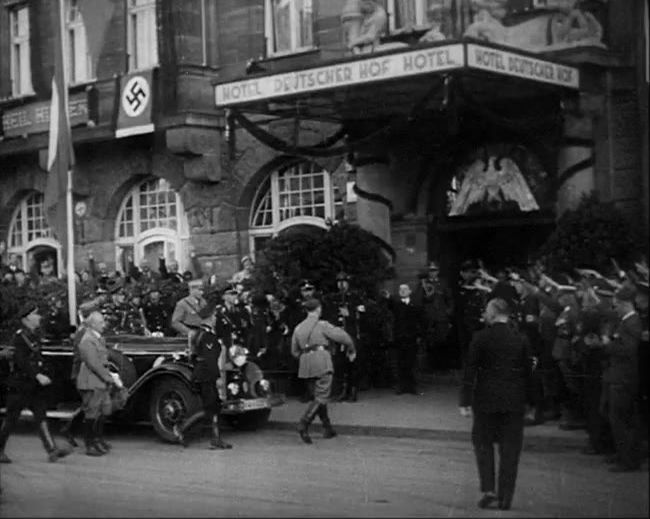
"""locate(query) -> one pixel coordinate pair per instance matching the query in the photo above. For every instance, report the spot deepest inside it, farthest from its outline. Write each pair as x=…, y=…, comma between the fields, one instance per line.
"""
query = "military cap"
x=433, y=266
x=26, y=309
x=342, y=276
x=469, y=265
x=88, y=308
x=311, y=304
x=305, y=283
x=625, y=293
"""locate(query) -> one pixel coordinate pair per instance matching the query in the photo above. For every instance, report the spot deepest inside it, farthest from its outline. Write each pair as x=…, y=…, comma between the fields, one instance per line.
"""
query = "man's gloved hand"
x=43, y=380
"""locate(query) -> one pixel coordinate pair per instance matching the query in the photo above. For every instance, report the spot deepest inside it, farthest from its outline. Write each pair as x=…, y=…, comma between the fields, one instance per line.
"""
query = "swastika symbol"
x=135, y=96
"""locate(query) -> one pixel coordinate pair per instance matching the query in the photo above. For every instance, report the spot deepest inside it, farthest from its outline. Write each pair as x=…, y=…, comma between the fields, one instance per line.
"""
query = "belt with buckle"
x=317, y=347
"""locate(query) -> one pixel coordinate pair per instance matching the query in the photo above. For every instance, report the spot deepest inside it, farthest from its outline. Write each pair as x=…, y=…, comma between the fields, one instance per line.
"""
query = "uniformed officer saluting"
x=310, y=344
x=205, y=355
x=27, y=385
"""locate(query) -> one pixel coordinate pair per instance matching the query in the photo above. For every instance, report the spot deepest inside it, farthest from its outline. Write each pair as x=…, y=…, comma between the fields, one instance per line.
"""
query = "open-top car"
x=157, y=374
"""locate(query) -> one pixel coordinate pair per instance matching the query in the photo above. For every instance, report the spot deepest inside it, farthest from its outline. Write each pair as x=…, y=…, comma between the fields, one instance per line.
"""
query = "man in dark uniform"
x=621, y=380
x=343, y=308
x=496, y=387
x=205, y=354
x=471, y=303
x=231, y=322
x=156, y=313
x=310, y=344
x=27, y=385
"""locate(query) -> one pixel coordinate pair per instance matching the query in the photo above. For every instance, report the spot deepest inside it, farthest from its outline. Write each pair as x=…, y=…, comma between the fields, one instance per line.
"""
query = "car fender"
x=175, y=369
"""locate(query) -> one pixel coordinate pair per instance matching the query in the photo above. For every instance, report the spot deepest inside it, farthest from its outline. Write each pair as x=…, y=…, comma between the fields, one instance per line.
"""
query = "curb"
x=531, y=441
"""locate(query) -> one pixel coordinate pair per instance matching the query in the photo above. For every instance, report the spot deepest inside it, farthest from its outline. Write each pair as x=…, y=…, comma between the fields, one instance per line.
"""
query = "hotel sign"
x=35, y=117
x=520, y=65
x=435, y=59
x=405, y=64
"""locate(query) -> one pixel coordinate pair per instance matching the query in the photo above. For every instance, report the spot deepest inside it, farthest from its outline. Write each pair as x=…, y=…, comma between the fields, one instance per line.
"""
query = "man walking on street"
x=93, y=382
x=310, y=344
x=27, y=385
x=496, y=387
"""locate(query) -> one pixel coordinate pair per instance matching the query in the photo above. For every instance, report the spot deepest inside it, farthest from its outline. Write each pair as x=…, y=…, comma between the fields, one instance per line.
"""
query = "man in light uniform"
x=310, y=344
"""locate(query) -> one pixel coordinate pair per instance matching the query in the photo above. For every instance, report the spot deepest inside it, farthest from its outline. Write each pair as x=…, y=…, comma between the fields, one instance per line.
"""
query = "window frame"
x=134, y=10
x=19, y=43
x=421, y=20
x=271, y=184
x=178, y=238
x=269, y=30
x=45, y=238
x=75, y=31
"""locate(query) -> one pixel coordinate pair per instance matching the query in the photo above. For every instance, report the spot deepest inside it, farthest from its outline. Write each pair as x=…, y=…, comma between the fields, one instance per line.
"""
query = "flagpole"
x=69, y=245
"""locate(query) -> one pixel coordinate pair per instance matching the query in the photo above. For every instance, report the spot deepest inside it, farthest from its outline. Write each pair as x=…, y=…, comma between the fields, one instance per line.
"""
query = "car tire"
x=172, y=400
x=250, y=420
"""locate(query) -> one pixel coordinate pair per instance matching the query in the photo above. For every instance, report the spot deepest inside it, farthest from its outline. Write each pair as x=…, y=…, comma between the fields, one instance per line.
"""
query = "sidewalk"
x=432, y=415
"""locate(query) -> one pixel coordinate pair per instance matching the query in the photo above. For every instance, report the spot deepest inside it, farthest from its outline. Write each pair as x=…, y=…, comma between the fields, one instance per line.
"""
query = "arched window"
x=301, y=193
x=30, y=235
x=151, y=222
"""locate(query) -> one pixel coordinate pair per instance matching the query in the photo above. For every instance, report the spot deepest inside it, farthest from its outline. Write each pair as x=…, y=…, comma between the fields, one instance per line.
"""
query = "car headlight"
x=233, y=388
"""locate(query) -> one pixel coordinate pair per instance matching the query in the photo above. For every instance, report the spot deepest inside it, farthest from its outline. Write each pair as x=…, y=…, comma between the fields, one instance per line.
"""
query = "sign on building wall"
x=520, y=65
x=35, y=117
x=405, y=64
x=392, y=66
x=135, y=106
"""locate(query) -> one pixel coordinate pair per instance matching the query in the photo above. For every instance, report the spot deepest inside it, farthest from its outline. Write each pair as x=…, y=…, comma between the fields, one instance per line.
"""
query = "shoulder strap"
x=311, y=331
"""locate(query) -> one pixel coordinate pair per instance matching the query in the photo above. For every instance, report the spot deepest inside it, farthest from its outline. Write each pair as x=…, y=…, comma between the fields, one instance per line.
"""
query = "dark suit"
x=621, y=379
x=497, y=385
x=407, y=328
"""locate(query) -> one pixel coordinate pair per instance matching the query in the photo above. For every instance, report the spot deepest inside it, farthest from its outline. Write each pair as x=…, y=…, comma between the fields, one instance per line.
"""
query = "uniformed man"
x=85, y=309
x=231, y=323
x=94, y=382
x=206, y=356
x=191, y=311
x=621, y=379
x=27, y=385
x=310, y=344
x=344, y=308
x=497, y=385
x=114, y=308
x=471, y=303
x=156, y=313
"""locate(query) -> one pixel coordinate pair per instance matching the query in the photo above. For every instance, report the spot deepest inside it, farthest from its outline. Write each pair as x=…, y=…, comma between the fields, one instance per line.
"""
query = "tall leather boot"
x=89, y=438
x=75, y=421
x=343, y=395
x=99, y=437
x=352, y=397
x=180, y=429
x=215, y=441
x=325, y=420
x=53, y=452
x=307, y=418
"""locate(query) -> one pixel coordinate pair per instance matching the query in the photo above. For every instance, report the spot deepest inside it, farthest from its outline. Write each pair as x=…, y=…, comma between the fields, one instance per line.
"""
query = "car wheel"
x=171, y=402
x=250, y=420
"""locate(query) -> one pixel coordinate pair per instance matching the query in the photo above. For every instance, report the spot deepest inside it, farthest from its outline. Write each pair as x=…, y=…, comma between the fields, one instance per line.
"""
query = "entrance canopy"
x=389, y=83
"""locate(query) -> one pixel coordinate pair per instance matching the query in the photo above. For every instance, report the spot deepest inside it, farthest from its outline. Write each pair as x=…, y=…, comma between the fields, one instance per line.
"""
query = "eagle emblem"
x=493, y=182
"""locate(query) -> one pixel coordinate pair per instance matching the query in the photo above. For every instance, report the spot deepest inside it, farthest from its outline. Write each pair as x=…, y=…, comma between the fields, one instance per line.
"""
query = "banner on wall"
x=135, y=105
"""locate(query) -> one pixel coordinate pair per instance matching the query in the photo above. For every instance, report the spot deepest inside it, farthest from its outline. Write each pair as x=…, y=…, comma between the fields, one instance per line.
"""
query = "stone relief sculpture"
x=493, y=183
x=563, y=24
x=364, y=22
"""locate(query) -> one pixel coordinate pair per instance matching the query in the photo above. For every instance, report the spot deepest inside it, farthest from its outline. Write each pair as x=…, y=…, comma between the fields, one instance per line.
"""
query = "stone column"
x=374, y=206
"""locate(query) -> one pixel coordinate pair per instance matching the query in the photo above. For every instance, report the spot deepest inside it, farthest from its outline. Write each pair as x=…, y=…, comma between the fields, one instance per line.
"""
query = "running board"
x=59, y=415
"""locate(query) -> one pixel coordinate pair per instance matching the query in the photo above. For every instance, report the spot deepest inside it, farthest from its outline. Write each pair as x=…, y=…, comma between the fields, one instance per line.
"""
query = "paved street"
x=270, y=473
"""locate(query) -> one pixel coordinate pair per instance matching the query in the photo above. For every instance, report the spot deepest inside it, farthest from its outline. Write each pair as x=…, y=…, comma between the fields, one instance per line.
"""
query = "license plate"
x=251, y=404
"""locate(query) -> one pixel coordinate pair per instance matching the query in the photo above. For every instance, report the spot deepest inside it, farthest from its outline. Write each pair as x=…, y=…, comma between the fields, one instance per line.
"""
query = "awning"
x=392, y=82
